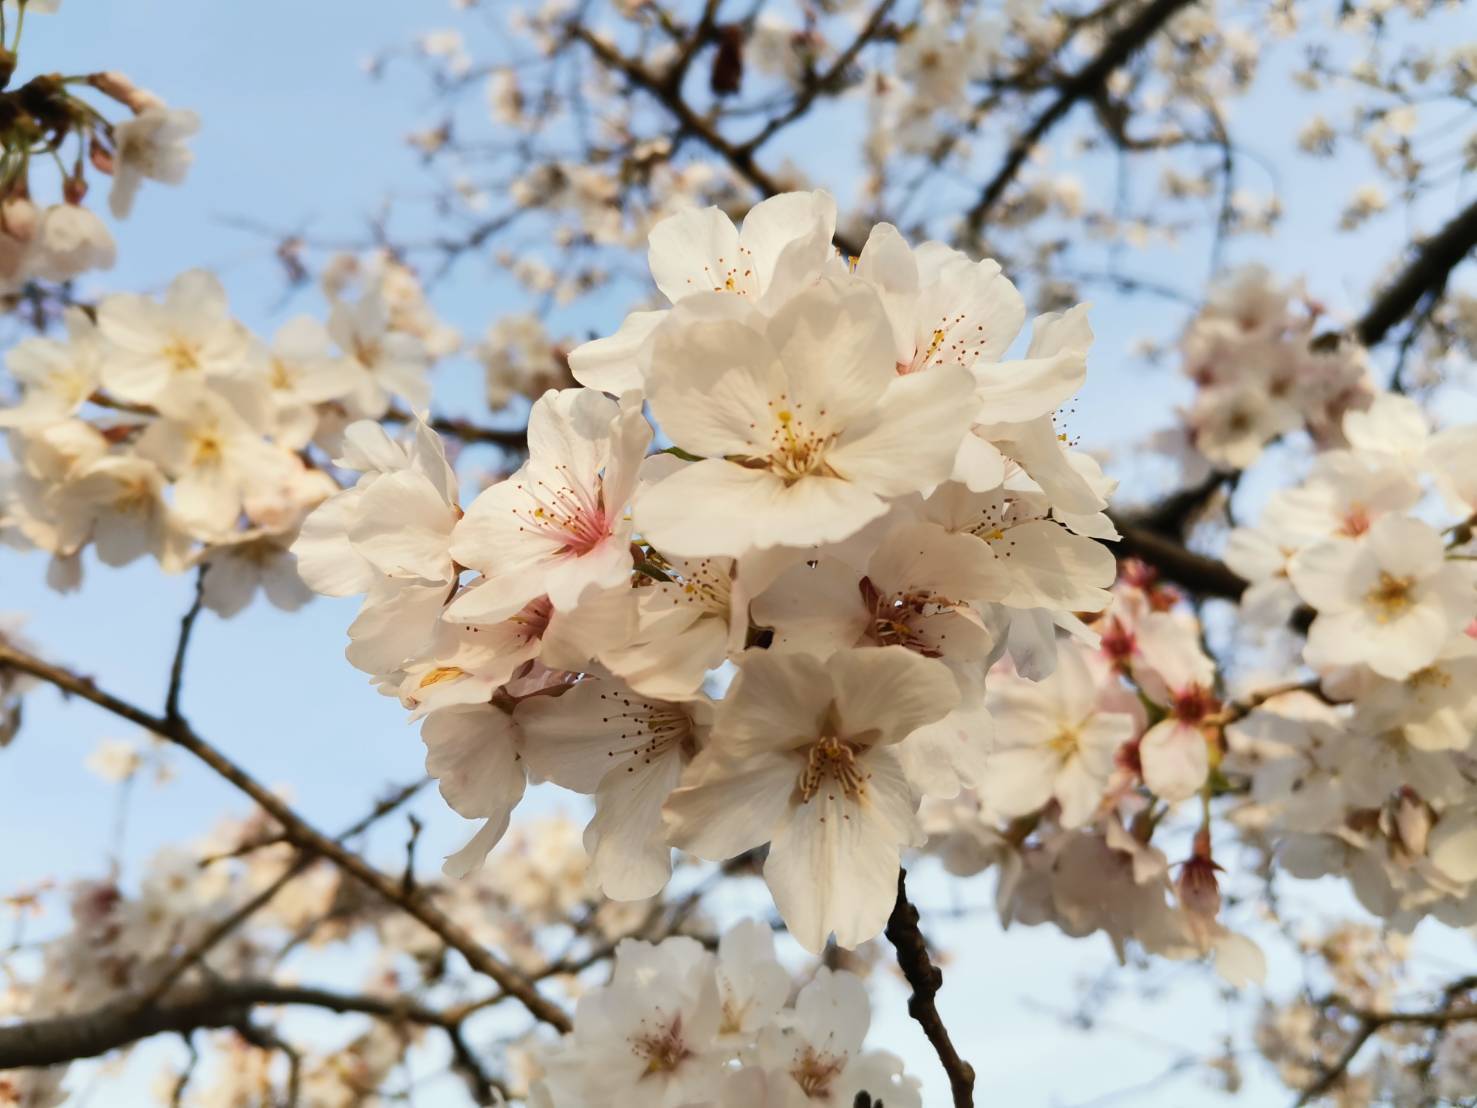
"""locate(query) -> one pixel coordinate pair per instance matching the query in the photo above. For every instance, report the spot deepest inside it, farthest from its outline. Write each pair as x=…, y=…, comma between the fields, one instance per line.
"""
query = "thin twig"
x=1120, y=46
x=926, y=980
x=181, y=648
x=223, y=928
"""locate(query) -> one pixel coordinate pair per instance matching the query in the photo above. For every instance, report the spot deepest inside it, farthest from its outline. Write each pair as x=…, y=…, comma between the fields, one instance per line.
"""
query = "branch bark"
x=1426, y=274
x=926, y=980
x=57, y=1039
x=1199, y=574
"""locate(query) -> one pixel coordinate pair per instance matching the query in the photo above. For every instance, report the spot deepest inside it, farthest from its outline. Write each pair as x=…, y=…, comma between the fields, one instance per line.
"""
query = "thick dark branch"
x=926, y=980
x=1122, y=45
x=1426, y=274
x=1195, y=572
x=299, y=831
x=58, y=1039
x=513, y=438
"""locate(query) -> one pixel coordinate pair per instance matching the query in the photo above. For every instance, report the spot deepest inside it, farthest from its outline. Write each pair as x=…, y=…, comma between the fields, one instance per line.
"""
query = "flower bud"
x=121, y=89
x=1198, y=890
x=1413, y=820
x=18, y=220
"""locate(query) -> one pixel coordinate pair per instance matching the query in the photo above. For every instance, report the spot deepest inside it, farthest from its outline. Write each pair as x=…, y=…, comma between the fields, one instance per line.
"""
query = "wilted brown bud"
x=74, y=189
x=728, y=62
x=7, y=66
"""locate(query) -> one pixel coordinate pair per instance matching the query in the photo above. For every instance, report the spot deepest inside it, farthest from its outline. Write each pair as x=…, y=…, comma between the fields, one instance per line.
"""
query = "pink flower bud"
x=1197, y=888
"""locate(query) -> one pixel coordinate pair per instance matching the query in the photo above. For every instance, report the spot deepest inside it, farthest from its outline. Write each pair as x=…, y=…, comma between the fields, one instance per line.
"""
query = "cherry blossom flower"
x=210, y=441
x=916, y=591
x=817, y=1059
x=1175, y=674
x=473, y=751
x=153, y=347
x=69, y=241
x=1060, y=742
x=805, y=425
x=1389, y=599
x=783, y=246
x=629, y=751
x=801, y=757
x=389, y=362
x=150, y=145
x=557, y=527
x=58, y=377
x=651, y=1029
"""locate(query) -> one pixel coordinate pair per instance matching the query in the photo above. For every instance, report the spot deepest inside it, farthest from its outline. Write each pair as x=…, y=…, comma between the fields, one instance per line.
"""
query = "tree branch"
x=826, y=82
x=299, y=831
x=740, y=158
x=57, y=1039
x=1121, y=46
x=513, y=438
x=222, y=929
x=1427, y=273
x=181, y=648
x=1197, y=573
x=926, y=980
x=1369, y=1024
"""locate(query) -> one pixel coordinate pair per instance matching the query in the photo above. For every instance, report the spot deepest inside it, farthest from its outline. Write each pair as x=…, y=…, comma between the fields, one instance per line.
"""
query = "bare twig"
x=222, y=929
x=740, y=158
x=826, y=82
x=925, y=978
x=182, y=647
x=1121, y=45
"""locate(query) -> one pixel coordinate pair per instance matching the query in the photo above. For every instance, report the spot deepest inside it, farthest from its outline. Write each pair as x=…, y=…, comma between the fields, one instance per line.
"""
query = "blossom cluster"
x=679, y=1025
x=1367, y=771
x=58, y=242
x=863, y=507
x=1356, y=968
x=1072, y=793
x=1261, y=372
x=165, y=429
x=123, y=938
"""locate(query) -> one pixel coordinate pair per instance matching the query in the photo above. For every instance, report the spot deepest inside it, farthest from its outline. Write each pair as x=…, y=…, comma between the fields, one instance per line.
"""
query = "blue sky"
x=295, y=135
